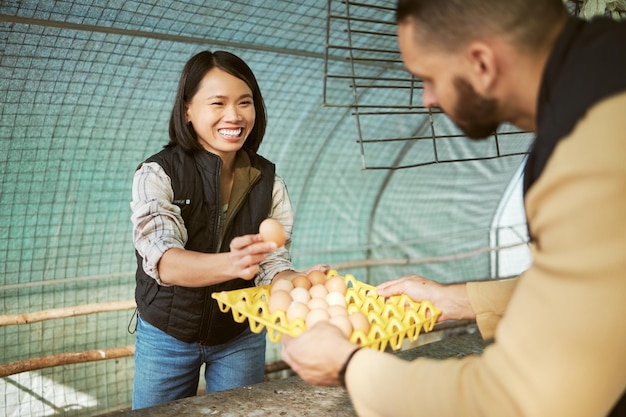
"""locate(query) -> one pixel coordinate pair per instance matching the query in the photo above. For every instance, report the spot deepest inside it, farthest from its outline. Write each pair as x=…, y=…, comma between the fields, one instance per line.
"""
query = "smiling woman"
x=197, y=86
x=222, y=113
x=197, y=207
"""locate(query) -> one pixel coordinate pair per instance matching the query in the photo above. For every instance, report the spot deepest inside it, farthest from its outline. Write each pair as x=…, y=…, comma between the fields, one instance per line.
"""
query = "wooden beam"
x=58, y=313
x=50, y=361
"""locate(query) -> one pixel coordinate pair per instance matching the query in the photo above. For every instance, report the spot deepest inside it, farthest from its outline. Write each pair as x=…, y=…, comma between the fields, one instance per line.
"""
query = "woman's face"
x=222, y=113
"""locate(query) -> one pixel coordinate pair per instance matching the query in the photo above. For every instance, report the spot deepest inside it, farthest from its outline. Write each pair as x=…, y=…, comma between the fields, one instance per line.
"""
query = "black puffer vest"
x=190, y=314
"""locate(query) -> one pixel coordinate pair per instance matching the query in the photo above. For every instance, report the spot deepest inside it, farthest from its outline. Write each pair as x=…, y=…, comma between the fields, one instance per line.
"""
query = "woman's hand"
x=451, y=299
x=246, y=252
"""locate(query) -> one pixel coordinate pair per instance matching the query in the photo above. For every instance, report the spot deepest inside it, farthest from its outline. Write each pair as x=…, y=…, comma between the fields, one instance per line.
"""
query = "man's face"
x=445, y=88
x=473, y=114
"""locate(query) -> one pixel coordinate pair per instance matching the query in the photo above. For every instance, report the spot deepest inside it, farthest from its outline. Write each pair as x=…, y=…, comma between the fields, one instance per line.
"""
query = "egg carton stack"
x=291, y=306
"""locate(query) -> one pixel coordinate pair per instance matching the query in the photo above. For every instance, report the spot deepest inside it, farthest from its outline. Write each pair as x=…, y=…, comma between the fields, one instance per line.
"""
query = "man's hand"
x=451, y=299
x=318, y=354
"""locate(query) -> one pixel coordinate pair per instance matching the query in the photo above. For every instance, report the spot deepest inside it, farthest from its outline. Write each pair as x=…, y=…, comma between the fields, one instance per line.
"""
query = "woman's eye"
x=216, y=103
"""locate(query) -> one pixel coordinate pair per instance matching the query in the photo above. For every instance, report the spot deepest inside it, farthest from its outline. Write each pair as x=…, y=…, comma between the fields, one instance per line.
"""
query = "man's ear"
x=483, y=65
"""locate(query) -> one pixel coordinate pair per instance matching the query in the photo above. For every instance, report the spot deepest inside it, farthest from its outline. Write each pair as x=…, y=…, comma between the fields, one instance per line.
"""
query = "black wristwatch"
x=344, y=368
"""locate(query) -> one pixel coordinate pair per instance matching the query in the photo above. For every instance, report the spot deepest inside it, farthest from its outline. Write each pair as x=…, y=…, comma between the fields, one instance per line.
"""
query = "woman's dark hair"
x=181, y=132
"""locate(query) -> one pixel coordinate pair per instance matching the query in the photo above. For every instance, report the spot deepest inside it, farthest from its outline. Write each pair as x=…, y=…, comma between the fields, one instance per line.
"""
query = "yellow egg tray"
x=392, y=319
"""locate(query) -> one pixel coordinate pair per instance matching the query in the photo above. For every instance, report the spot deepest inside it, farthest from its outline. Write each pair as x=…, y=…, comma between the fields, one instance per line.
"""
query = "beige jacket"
x=560, y=329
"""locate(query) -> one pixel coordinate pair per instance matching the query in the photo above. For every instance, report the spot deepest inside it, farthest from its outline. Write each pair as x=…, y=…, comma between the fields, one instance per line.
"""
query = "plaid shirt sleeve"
x=280, y=259
x=157, y=223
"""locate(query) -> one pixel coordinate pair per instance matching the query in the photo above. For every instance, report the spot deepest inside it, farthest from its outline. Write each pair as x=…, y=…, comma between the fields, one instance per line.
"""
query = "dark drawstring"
x=130, y=323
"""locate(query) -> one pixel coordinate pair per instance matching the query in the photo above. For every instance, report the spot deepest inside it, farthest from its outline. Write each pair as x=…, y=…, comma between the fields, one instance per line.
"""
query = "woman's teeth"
x=230, y=132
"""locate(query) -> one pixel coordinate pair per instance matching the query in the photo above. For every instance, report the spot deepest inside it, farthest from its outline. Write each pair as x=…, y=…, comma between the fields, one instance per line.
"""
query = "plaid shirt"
x=158, y=225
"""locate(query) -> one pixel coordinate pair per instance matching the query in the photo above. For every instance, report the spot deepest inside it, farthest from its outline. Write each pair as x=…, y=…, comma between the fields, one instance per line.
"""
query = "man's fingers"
x=391, y=288
x=284, y=355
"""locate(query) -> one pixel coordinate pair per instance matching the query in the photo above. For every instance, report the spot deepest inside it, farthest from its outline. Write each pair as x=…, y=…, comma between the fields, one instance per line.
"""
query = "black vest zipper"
x=209, y=303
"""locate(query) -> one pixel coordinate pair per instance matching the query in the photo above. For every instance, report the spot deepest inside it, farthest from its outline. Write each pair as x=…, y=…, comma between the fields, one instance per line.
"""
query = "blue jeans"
x=167, y=369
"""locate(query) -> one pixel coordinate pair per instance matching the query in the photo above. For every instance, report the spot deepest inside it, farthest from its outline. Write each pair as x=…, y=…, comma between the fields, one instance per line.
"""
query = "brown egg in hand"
x=272, y=231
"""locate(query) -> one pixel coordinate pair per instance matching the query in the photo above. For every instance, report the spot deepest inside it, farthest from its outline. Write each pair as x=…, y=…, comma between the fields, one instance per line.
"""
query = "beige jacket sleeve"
x=560, y=347
x=489, y=300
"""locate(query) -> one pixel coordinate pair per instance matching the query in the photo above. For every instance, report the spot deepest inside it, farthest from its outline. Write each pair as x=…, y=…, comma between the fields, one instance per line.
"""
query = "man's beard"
x=474, y=114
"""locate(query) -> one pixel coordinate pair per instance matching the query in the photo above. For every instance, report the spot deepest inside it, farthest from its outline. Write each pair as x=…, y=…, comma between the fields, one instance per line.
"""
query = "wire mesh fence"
x=372, y=82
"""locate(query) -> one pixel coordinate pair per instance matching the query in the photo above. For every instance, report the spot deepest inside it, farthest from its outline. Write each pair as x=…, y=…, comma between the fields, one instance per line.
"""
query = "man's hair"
x=453, y=23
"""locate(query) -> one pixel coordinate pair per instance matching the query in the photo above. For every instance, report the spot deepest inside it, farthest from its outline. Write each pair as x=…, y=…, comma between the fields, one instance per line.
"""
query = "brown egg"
x=337, y=310
x=300, y=294
x=281, y=285
x=297, y=310
x=315, y=316
x=343, y=323
x=335, y=298
x=301, y=281
x=317, y=277
x=336, y=284
x=317, y=303
x=359, y=321
x=272, y=231
x=279, y=300
x=318, y=291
